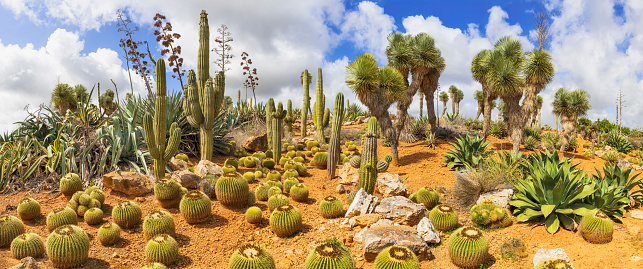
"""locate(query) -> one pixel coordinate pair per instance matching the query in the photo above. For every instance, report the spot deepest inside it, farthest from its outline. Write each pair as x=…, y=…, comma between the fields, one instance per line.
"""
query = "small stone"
x=378, y=237
x=132, y=183
x=363, y=203
x=637, y=214
x=390, y=185
x=115, y=255
x=340, y=189
x=178, y=165
x=26, y=263
x=205, y=167
x=187, y=179
x=442, y=189
x=426, y=230
x=548, y=254
x=257, y=143
x=349, y=175
x=139, y=199
x=401, y=210
x=635, y=258
x=366, y=220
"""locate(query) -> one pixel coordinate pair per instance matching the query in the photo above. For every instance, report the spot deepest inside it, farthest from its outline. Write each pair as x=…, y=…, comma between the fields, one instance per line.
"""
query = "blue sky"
x=76, y=41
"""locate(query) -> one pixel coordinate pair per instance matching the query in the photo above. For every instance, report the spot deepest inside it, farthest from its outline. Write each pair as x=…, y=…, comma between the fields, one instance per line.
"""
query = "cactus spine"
x=306, y=78
x=204, y=100
x=10, y=227
x=334, y=145
x=251, y=256
x=290, y=117
x=155, y=128
x=277, y=130
x=67, y=246
x=270, y=109
x=27, y=245
x=368, y=167
x=319, y=106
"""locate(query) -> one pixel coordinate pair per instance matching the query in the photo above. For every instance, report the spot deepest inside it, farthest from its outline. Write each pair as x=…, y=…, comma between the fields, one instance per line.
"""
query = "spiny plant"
x=109, y=233
x=618, y=142
x=27, y=245
x=489, y=213
x=268, y=162
x=253, y=215
x=321, y=114
x=396, y=257
x=232, y=161
x=330, y=254
x=334, y=148
x=513, y=248
x=597, y=227
x=93, y=216
x=10, y=227
x=232, y=190
x=355, y=161
x=59, y=217
x=289, y=182
x=154, y=265
x=274, y=175
x=444, y=218
x=203, y=98
x=155, y=127
x=277, y=200
x=468, y=247
x=251, y=256
x=67, y=246
x=368, y=167
x=249, y=177
x=320, y=160
x=127, y=214
x=468, y=152
x=182, y=157
x=28, y=209
x=98, y=195
x=196, y=206
x=428, y=196
x=158, y=222
x=331, y=207
x=261, y=192
x=274, y=190
x=277, y=130
x=554, y=263
x=291, y=173
x=230, y=168
x=285, y=220
x=166, y=189
x=306, y=78
x=70, y=183
x=299, y=193
x=163, y=249
x=382, y=166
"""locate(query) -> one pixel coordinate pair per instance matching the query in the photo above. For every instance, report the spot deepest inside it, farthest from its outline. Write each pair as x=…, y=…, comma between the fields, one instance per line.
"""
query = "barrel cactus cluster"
x=81, y=201
x=444, y=218
x=490, y=214
x=61, y=216
x=168, y=192
x=285, y=220
x=158, y=222
x=70, y=184
x=426, y=196
x=163, y=249
x=331, y=207
x=596, y=227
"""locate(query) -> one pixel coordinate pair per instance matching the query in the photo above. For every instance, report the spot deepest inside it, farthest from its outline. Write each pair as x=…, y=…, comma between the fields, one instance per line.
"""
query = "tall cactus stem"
x=368, y=167
x=277, y=130
x=306, y=78
x=270, y=109
x=319, y=106
x=334, y=145
x=290, y=117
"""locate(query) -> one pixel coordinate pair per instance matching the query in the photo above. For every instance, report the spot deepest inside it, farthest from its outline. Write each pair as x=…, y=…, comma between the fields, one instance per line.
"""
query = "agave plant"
x=467, y=152
x=618, y=142
x=19, y=157
x=552, y=190
x=124, y=143
x=616, y=189
x=451, y=117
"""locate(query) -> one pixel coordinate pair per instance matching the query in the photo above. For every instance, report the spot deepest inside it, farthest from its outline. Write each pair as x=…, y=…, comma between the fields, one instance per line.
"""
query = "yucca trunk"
x=480, y=106
x=430, y=110
x=514, y=115
x=457, y=108
x=568, y=127
x=452, y=103
x=528, y=102
x=538, y=122
x=421, y=103
x=404, y=102
x=488, y=98
x=444, y=108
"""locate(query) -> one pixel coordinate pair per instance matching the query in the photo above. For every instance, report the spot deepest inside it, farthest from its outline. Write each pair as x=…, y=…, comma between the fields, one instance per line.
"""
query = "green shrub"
x=551, y=141
x=468, y=152
x=616, y=189
x=530, y=143
x=498, y=130
x=618, y=142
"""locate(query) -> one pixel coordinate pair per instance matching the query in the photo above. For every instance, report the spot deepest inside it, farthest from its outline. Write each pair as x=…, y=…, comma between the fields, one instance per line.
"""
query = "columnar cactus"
x=270, y=109
x=196, y=206
x=61, y=216
x=126, y=214
x=28, y=209
x=232, y=190
x=155, y=128
x=203, y=99
x=285, y=220
x=277, y=130
x=306, y=78
x=109, y=234
x=251, y=256
x=158, y=222
x=330, y=254
x=27, y=245
x=67, y=246
x=468, y=247
x=290, y=117
x=368, y=167
x=334, y=149
x=321, y=115
x=10, y=227
x=163, y=249
x=396, y=257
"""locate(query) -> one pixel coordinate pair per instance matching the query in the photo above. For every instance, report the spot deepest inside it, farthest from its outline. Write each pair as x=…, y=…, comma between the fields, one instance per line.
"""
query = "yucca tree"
x=501, y=110
x=416, y=56
x=536, y=115
x=539, y=71
x=62, y=98
x=444, y=98
x=377, y=88
x=479, y=96
x=453, y=91
x=570, y=105
x=421, y=95
x=457, y=99
x=480, y=68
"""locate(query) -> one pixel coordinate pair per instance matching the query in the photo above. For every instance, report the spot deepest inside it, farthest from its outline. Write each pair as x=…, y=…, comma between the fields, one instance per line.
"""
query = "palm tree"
x=453, y=90
x=569, y=106
x=538, y=107
x=377, y=88
x=62, y=98
x=479, y=96
x=458, y=98
x=416, y=56
x=444, y=98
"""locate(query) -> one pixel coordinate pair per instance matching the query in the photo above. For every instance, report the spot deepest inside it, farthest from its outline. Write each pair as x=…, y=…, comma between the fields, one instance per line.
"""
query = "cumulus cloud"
x=367, y=27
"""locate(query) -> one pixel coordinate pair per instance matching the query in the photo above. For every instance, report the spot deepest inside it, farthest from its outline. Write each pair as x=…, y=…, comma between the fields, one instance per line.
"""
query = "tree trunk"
x=452, y=103
x=457, y=108
x=428, y=87
x=488, y=98
x=527, y=106
x=514, y=115
x=386, y=126
x=403, y=103
x=568, y=126
x=444, y=108
x=480, y=106
x=421, y=103
x=538, y=123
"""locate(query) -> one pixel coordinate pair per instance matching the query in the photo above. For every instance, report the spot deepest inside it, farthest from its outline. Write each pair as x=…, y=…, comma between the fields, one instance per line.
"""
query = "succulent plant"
x=331, y=207
x=166, y=189
x=84, y=199
x=596, y=227
x=93, y=216
x=289, y=182
x=444, y=218
x=299, y=159
x=67, y=246
x=396, y=257
x=249, y=177
x=468, y=247
x=382, y=166
x=285, y=220
x=330, y=254
x=320, y=160
x=258, y=174
x=301, y=169
x=355, y=161
x=388, y=158
x=182, y=157
x=428, y=196
x=27, y=245
x=252, y=199
x=154, y=265
x=163, y=249
x=274, y=190
x=98, y=195
x=253, y=215
x=196, y=206
x=291, y=154
x=208, y=186
x=10, y=227
x=291, y=173
x=228, y=168
x=90, y=189
x=158, y=222
x=268, y=162
x=554, y=263
x=232, y=190
x=28, y=209
x=311, y=144
x=507, y=219
x=368, y=165
x=299, y=193
x=274, y=183
x=261, y=192
x=59, y=217
x=277, y=200
x=70, y=183
x=80, y=211
x=334, y=147
x=109, y=233
x=513, y=248
x=274, y=175
x=251, y=256
x=232, y=161
x=126, y=214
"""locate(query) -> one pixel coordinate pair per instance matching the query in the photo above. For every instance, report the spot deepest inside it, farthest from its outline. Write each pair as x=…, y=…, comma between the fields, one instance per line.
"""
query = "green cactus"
x=596, y=227
x=98, y=195
x=196, y=206
x=155, y=127
x=277, y=130
x=513, y=248
x=291, y=173
x=285, y=220
x=468, y=247
x=306, y=79
x=28, y=209
x=299, y=193
x=277, y=200
x=158, y=222
x=250, y=162
x=27, y=245
x=331, y=207
x=249, y=177
x=93, y=216
x=166, y=189
x=290, y=117
x=330, y=254
x=396, y=257
x=261, y=192
x=270, y=109
x=274, y=190
x=274, y=175
x=321, y=115
x=310, y=144
x=289, y=182
x=154, y=265
x=428, y=196
x=59, y=217
x=90, y=189
x=163, y=249
x=10, y=227
x=81, y=210
x=203, y=100
x=555, y=264
x=67, y=246
x=70, y=183
x=382, y=166
x=444, y=218
x=126, y=214
x=109, y=233
x=334, y=146
x=253, y=215
x=182, y=157
x=251, y=256
x=269, y=163
x=320, y=160
x=84, y=199
x=368, y=166
x=355, y=161
x=232, y=190
x=232, y=161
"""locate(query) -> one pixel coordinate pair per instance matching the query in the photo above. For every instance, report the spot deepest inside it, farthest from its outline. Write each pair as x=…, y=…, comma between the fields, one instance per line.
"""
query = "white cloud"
x=368, y=28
